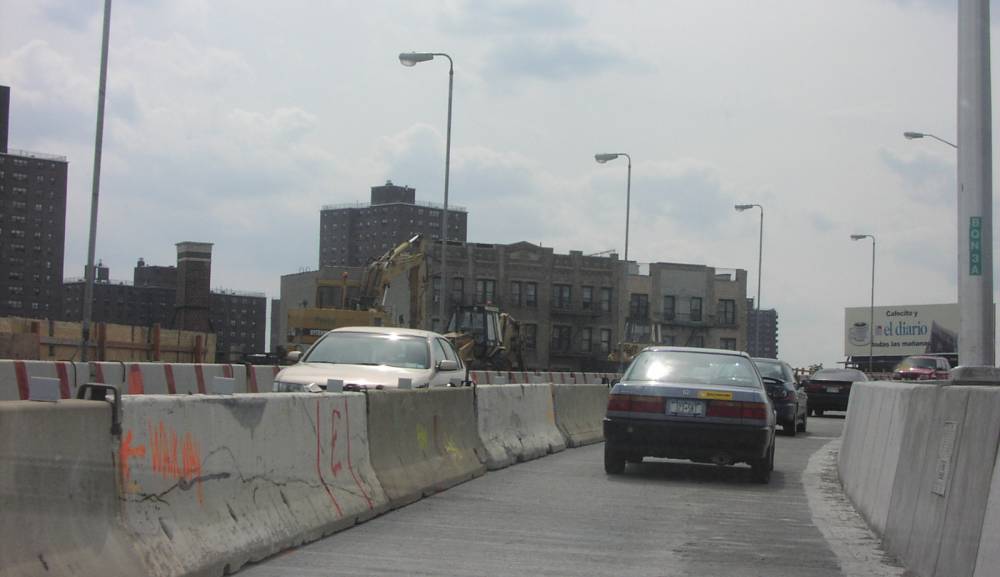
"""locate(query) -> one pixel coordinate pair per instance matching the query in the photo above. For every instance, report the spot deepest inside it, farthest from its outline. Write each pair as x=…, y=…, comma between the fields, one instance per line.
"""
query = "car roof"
x=767, y=360
x=660, y=349
x=388, y=331
x=924, y=357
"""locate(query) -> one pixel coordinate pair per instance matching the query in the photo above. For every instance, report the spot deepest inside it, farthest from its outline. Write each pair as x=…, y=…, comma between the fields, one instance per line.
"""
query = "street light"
x=760, y=259
x=915, y=135
x=871, y=307
x=601, y=159
x=412, y=59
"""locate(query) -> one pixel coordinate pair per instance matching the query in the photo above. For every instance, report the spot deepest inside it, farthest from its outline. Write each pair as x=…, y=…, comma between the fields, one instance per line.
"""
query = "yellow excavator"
x=486, y=339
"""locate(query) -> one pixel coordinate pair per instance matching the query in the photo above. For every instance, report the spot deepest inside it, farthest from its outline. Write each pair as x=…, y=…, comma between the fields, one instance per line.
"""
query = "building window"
x=696, y=309
x=669, y=307
x=587, y=297
x=457, y=289
x=531, y=337
x=485, y=290
x=697, y=341
x=531, y=294
x=639, y=333
x=638, y=306
x=727, y=312
x=515, y=293
x=436, y=289
x=668, y=340
x=605, y=340
x=605, y=299
x=728, y=344
x=562, y=296
x=561, y=338
x=586, y=339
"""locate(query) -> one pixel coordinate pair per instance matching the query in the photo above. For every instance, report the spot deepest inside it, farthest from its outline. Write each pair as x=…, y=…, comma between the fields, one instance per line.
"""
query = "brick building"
x=355, y=234
x=766, y=344
x=32, y=227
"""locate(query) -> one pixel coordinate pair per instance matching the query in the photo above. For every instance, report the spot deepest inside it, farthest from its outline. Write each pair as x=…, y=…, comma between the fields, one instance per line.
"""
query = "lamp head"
x=913, y=135
x=412, y=58
x=602, y=158
x=859, y=236
x=742, y=207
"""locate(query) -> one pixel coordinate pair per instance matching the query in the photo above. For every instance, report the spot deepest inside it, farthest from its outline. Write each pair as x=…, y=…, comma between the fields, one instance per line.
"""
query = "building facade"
x=32, y=227
x=762, y=332
x=238, y=319
x=355, y=234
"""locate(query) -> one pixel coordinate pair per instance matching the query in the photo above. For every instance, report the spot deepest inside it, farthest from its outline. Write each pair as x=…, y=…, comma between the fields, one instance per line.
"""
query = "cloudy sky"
x=233, y=122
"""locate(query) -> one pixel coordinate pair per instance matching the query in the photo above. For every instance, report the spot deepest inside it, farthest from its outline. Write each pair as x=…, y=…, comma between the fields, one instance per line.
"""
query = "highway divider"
x=423, y=441
x=579, y=412
x=919, y=461
x=516, y=423
x=210, y=483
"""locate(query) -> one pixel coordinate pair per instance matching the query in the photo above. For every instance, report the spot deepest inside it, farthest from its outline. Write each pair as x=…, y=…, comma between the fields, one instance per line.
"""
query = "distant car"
x=705, y=405
x=791, y=403
x=922, y=368
x=830, y=389
x=374, y=357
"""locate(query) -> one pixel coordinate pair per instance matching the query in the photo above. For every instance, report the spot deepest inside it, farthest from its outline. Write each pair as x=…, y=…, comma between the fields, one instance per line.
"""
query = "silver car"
x=374, y=357
x=704, y=405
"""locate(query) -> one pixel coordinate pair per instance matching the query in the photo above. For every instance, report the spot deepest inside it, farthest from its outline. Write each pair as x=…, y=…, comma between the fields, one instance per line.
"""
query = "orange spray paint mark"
x=176, y=458
x=125, y=452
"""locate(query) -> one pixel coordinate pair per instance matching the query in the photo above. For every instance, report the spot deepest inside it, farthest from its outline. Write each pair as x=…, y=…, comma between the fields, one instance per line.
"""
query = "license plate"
x=833, y=389
x=686, y=408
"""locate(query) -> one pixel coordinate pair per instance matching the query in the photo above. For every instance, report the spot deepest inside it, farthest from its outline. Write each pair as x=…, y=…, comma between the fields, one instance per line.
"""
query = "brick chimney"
x=194, y=293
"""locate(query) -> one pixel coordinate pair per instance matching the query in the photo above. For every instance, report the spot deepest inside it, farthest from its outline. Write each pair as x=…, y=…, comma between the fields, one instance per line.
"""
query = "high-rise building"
x=32, y=227
x=355, y=234
x=762, y=343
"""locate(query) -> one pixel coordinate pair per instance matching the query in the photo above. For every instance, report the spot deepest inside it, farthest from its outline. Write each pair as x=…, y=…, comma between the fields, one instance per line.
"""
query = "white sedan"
x=374, y=357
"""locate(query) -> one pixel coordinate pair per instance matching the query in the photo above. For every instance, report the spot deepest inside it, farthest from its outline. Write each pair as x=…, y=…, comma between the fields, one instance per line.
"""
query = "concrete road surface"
x=561, y=515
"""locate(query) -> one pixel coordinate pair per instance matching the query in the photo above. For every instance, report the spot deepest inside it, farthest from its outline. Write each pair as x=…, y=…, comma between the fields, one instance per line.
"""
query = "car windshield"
x=849, y=375
x=348, y=348
x=769, y=369
x=917, y=363
x=692, y=368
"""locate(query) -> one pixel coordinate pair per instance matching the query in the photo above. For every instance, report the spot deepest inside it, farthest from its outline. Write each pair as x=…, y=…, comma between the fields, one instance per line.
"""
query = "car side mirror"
x=293, y=356
x=447, y=365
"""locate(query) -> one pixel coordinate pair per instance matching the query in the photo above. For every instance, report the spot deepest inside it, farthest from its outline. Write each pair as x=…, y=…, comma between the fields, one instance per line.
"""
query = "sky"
x=235, y=122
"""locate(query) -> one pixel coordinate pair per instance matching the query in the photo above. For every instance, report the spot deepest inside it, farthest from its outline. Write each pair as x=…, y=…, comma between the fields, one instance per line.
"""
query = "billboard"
x=902, y=330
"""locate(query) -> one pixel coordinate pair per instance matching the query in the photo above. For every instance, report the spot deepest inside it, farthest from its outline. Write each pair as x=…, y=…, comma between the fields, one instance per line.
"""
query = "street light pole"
x=411, y=59
x=760, y=262
x=915, y=135
x=601, y=159
x=871, y=307
x=88, y=287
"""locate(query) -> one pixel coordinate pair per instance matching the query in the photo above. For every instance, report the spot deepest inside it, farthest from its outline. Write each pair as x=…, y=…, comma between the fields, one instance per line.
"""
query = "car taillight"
x=637, y=403
x=619, y=402
x=755, y=411
x=813, y=387
x=789, y=395
x=724, y=409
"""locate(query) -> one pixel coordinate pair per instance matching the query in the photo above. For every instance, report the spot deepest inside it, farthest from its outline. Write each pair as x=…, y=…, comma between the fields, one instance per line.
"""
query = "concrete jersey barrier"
x=579, y=411
x=516, y=423
x=919, y=461
x=423, y=441
x=15, y=378
x=210, y=483
x=58, y=504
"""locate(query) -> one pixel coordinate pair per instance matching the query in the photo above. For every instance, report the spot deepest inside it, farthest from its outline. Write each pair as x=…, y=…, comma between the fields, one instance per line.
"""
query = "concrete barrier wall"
x=580, y=412
x=58, y=503
x=210, y=483
x=423, y=441
x=15, y=377
x=919, y=463
x=516, y=423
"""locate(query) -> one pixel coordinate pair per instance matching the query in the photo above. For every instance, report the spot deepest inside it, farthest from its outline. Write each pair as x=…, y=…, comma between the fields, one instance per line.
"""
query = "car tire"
x=614, y=462
x=818, y=412
x=788, y=428
x=802, y=425
x=760, y=469
x=636, y=459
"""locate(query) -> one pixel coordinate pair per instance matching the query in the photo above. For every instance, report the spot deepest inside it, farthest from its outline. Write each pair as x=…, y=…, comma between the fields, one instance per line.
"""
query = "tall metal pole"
x=871, y=313
x=625, y=294
x=977, y=325
x=760, y=261
x=445, y=290
x=88, y=290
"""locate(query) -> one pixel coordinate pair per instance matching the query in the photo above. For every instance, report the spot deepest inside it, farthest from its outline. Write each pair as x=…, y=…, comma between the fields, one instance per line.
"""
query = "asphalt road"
x=561, y=515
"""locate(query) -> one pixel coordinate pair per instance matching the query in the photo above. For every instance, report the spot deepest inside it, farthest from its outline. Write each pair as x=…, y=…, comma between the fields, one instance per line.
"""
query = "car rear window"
x=347, y=348
x=772, y=370
x=850, y=375
x=693, y=368
x=917, y=363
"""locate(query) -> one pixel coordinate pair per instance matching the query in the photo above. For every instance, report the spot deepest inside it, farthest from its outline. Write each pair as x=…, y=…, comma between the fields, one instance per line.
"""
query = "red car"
x=922, y=368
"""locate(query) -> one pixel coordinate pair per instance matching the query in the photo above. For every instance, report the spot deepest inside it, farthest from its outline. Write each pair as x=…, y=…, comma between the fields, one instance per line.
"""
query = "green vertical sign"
x=975, y=246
